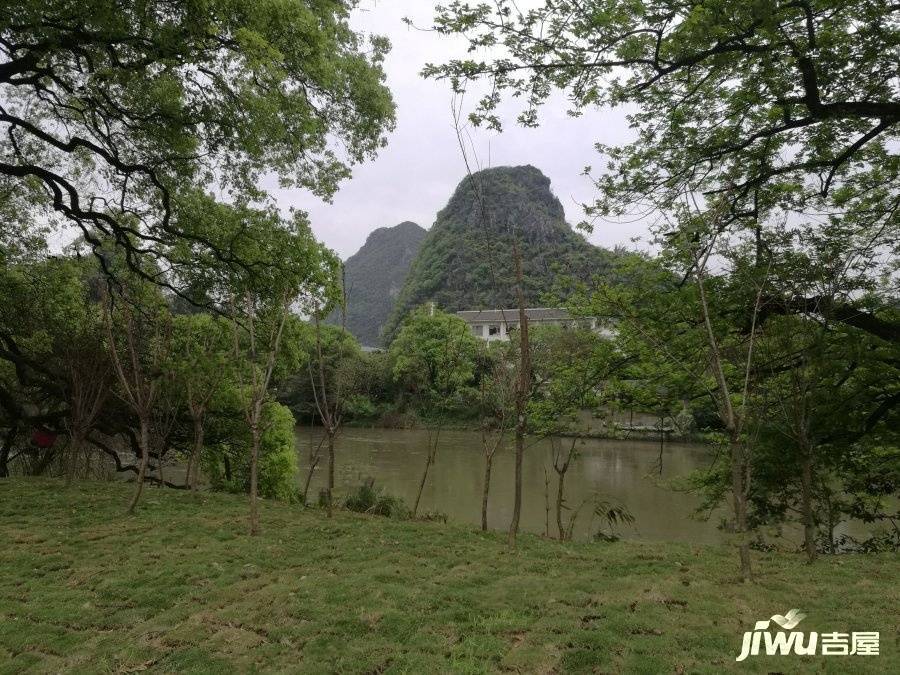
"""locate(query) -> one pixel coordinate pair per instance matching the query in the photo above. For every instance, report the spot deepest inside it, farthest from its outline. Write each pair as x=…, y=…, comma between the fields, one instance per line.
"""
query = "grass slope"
x=181, y=588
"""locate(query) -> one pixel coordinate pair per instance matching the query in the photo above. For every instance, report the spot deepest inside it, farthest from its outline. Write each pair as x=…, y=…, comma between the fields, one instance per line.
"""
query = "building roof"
x=512, y=315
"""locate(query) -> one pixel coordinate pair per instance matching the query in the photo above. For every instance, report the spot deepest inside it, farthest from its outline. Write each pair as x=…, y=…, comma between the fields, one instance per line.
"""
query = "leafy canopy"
x=113, y=111
x=434, y=356
x=769, y=101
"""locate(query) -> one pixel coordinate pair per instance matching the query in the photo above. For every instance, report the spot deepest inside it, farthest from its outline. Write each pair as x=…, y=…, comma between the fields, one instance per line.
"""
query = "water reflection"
x=625, y=471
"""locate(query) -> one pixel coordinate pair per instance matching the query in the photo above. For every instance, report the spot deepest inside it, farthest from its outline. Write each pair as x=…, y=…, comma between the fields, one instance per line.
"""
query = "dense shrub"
x=228, y=463
x=369, y=499
x=360, y=407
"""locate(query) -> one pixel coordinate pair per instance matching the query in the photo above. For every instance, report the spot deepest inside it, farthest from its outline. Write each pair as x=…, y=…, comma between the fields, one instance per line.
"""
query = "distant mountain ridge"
x=466, y=259
x=375, y=275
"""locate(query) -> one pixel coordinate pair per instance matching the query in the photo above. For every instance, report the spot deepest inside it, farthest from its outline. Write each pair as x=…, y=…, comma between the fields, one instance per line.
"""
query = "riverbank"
x=604, y=434
x=602, y=425
x=180, y=587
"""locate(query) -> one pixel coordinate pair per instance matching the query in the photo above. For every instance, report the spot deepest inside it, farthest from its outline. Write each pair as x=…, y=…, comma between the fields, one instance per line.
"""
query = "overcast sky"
x=414, y=176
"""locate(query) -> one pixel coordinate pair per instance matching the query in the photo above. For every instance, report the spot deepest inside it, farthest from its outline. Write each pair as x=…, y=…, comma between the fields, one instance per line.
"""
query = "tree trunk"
x=740, y=474
x=809, y=522
x=432, y=455
x=142, y=467
x=76, y=451
x=832, y=548
x=159, y=464
x=517, y=495
x=254, y=468
x=194, y=464
x=523, y=389
x=422, y=484
x=46, y=458
x=306, y=484
x=75, y=445
x=739, y=492
x=85, y=451
x=488, y=461
x=560, y=491
x=313, y=463
x=6, y=448
x=330, y=471
x=662, y=440
x=546, y=503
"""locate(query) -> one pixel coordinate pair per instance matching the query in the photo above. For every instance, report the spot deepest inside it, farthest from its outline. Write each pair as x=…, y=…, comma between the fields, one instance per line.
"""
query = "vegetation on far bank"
x=181, y=587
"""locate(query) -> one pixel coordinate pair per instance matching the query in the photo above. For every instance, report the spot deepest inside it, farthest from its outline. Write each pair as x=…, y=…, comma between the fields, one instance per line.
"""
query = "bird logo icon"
x=786, y=621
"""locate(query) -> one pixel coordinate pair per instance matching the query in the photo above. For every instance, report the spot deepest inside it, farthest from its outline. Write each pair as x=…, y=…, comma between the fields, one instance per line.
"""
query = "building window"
x=493, y=329
x=478, y=330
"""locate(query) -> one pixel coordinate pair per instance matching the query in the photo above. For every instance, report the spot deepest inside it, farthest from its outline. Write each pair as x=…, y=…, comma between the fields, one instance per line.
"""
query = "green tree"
x=260, y=296
x=330, y=382
x=113, y=111
x=773, y=104
x=202, y=361
x=434, y=356
x=327, y=388
x=749, y=112
x=138, y=332
x=496, y=400
x=226, y=458
x=54, y=371
x=704, y=334
x=572, y=369
x=828, y=447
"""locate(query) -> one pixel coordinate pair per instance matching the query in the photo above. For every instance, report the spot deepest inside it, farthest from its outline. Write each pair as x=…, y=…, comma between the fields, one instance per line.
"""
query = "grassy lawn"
x=181, y=588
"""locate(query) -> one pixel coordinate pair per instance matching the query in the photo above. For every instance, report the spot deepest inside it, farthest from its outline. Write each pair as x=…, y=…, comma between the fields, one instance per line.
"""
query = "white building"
x=498, y=324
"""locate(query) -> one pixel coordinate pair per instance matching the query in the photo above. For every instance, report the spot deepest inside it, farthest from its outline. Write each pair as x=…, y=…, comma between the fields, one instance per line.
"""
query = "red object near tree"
x=43, y=438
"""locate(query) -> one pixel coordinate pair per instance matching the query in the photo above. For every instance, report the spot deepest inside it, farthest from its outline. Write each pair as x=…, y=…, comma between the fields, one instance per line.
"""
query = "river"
x=622, y=471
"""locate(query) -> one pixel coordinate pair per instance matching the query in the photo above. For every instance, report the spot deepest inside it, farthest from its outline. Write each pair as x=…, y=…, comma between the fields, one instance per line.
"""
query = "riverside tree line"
x=167, y=326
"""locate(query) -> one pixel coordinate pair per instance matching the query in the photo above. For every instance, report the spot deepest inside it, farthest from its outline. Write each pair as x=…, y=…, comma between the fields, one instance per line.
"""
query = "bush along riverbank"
x=181, y=587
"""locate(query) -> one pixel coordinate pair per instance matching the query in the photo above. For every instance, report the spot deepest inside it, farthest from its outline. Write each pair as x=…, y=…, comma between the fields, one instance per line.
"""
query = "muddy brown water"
x=624, y=472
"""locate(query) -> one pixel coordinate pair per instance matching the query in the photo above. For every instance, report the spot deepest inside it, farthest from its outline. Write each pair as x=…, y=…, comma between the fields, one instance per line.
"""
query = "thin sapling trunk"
x=523, y=391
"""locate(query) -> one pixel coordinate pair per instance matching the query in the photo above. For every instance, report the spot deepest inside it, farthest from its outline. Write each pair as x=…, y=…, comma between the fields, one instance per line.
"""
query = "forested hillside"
x=375, y=276
x=466, y=260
